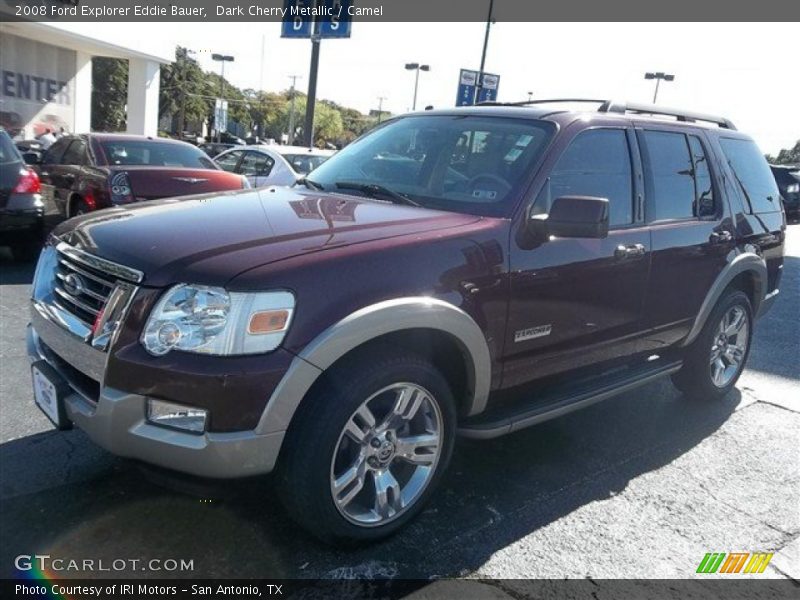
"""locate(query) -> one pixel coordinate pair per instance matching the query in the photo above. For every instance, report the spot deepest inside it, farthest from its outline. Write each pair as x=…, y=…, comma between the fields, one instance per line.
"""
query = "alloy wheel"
x=729, y=346
x=386, y=455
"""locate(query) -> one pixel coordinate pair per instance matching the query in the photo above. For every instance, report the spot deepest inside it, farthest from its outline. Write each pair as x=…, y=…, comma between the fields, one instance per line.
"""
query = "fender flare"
x=742, y=263
x=367, y=324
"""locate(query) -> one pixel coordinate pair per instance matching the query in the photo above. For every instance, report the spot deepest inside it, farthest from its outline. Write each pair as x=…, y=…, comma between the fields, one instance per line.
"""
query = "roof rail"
x=611, y=106
x=686, y=116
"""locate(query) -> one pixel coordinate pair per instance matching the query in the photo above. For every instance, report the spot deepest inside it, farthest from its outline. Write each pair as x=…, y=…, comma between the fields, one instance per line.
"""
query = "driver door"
x=576, y=301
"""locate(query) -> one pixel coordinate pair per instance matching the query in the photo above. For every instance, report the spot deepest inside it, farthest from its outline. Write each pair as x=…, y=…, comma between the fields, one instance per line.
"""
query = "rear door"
x=256, y=166
x=576, y=302
x=690, y=226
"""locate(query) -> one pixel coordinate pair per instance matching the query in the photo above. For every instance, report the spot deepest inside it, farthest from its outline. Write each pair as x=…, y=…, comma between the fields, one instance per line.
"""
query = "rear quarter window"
x=752, y=175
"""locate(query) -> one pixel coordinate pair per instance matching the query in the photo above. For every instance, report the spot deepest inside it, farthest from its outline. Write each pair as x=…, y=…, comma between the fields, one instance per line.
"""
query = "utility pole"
x=479, y=83
x=308, y=129
x=380, y=107
x=290, y=137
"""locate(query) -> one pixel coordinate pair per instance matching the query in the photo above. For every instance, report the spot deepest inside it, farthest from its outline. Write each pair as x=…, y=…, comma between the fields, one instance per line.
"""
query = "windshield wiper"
x=312, y=185
x=373, y=190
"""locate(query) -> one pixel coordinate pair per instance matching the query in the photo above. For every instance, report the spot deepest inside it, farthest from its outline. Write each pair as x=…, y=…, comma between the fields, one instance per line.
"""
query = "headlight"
x=211, y=320
x=793, y=188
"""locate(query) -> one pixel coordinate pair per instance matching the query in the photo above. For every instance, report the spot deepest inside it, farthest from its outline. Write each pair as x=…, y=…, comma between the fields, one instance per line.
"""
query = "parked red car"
x=87, y=172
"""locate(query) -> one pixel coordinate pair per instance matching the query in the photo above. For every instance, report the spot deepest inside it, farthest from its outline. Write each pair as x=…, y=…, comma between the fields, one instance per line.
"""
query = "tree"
x=109, y=93
x=181, y=83
x=786, y=156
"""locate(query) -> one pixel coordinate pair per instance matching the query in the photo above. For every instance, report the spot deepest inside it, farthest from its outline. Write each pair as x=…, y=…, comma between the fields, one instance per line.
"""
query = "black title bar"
x=403, y=10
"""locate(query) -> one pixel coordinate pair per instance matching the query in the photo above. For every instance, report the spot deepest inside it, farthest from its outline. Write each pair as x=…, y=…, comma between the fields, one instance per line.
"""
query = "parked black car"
x=21, y=206
x=215, y=148
x=788, y=179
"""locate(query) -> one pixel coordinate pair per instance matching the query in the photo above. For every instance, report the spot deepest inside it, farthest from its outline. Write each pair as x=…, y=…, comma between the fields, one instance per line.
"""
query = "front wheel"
x=715, y=360
x=369, y=448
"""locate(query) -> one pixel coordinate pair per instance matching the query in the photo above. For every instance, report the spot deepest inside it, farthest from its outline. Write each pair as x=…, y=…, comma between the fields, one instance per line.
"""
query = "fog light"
x=176, y=416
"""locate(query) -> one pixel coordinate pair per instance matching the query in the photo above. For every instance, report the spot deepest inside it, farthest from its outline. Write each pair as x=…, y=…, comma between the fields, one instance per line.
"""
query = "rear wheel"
x=78, y=207
x=715, y=360
x=369, y=448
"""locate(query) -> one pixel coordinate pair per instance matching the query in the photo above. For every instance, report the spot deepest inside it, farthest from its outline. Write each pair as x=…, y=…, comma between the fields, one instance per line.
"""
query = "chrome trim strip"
x=108, y=326
x=75, y=301
x=53, y=313
x=101, y=264
x=89, y=361
x=100, y=280
x=86, y=291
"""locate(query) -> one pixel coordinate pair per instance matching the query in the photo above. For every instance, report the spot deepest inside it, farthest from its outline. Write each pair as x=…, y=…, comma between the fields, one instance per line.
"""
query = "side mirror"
x=573, y=217
x=31, y=158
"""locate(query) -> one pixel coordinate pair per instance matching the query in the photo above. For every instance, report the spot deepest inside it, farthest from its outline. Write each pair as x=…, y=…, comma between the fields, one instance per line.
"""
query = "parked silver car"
x=272, y=164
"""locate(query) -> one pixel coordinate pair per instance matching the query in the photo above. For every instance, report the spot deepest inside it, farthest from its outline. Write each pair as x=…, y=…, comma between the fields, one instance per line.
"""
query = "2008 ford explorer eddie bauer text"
x=342, y=332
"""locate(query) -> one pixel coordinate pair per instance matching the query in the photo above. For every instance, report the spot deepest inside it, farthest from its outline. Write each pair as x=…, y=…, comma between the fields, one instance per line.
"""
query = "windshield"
x=467, y=164
x=155, y=154
x=304, y=163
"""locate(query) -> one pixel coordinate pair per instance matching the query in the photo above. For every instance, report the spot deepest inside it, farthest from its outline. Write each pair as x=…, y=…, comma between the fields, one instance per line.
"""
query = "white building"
x=46, y=76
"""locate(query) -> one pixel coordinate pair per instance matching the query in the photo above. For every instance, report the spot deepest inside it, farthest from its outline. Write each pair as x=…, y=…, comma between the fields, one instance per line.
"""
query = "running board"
x=563, y=403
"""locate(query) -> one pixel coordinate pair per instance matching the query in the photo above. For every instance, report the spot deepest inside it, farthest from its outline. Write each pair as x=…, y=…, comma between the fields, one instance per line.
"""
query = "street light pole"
x=222, y=58
x=416, y=67
x=659, y=76
x=290, y=137
x=479, y=83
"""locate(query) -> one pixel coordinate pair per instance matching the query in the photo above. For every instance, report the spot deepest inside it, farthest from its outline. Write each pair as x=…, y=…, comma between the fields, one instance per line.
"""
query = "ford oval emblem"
x=73, y=284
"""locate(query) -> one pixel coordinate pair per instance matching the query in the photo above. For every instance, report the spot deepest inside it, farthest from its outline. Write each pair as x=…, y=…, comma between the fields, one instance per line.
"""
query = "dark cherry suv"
x=344, y=331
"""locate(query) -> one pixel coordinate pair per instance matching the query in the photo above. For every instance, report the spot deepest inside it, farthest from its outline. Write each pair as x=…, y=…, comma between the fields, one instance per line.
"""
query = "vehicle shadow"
x=75, y=503
x=779, y=329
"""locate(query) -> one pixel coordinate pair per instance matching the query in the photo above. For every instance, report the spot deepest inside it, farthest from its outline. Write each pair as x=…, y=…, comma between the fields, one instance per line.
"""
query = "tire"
x=78, y=207
x=26, y=251
x=321, y=450
x=701, y=375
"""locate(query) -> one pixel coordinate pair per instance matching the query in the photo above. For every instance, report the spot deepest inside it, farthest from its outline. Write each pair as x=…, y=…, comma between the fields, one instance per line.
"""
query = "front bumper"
x=115, y=419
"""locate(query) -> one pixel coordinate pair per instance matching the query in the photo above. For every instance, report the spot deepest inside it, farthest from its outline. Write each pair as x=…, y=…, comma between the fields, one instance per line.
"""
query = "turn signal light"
x=268, y=321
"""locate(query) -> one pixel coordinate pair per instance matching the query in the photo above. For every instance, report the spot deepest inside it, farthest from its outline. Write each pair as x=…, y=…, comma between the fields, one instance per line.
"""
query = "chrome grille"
x=81, y=290
x=82, y=293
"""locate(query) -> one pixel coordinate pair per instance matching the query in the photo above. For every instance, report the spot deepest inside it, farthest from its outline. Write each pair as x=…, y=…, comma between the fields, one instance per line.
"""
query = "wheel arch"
x=747, y=272
x=402, y=321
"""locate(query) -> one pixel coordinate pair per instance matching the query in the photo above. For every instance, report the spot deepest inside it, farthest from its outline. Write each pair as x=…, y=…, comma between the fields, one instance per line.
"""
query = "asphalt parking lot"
x=640, y=486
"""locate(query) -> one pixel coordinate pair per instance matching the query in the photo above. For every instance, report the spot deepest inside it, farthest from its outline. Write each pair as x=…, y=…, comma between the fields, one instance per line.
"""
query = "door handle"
x=720, y=237
x=623, y=252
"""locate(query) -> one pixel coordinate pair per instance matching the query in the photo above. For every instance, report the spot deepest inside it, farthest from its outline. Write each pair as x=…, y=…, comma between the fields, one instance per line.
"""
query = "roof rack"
x=611, y=106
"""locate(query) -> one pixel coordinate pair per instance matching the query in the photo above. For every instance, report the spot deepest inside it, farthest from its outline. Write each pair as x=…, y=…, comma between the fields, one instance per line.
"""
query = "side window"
x=75, y=154
x=256, y=164
x=229, y=161
x=596, y=163
x=668, y=176
x=703, y=186
x=752, y=174
x=54, y=153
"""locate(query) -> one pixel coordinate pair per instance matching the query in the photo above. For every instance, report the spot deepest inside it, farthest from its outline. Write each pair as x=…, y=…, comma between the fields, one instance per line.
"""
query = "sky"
x=744, y=71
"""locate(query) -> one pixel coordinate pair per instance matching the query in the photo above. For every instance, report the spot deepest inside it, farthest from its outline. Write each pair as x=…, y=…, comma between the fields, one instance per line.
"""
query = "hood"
x=210, y=239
